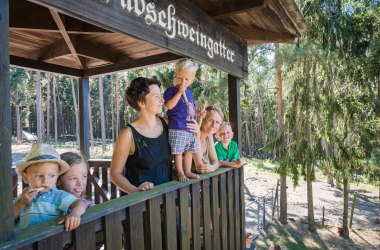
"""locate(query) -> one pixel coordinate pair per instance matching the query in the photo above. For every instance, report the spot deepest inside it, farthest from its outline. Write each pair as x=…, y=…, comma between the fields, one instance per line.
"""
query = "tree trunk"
x=55, y=111
x=38, y=107
x=112, y=108
x=346, y=232
x=102, y=118
x=18, y=123
x=310, y=205
x=90, y=121
x=280, y=129
x=75, y=111
x=248, y=142
x=60, y=113
x=117, y=104
x=48, y=111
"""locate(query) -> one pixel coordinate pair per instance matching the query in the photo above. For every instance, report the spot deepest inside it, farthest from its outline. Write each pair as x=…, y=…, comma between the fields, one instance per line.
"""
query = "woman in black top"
x=142, y=148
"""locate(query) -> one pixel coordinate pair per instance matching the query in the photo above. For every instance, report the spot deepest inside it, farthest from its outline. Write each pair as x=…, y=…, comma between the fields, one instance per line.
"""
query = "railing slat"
x=85, y=236
x=206, y=213
x=237, y=209
x=215, y=212
x=54, y=242
x=242, y=206
x=154, y=223
x=223, y=211
x=114, y=230
x=170, y=222
x=184, y=218
x=134, y=230
x=195, y=215
x=230, y=211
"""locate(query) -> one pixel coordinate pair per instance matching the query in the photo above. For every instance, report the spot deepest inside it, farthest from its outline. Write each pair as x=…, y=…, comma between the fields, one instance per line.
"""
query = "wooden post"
x=353, y=208
x=323, y=216
x=264, y=212
x=6, y=215
x=84, y=117
x=275, y=198
x=234, y=107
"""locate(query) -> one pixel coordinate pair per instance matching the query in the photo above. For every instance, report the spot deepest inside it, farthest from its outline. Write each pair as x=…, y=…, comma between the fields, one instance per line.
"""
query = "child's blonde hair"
x=185, y=64
x=223, y=125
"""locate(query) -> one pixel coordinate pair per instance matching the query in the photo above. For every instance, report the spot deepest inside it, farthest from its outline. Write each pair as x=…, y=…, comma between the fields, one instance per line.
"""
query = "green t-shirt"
x=230, y=154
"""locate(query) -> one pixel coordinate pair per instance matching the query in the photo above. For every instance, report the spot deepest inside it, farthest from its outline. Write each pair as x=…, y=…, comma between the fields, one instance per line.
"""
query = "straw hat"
x=42, y=153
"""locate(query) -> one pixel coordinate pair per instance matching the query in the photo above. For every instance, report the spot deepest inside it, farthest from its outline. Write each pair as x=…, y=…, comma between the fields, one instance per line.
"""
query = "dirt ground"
x=365, y=233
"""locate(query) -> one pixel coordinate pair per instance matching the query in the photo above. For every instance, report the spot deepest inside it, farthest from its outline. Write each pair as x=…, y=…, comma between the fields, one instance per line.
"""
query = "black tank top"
x=152, y=160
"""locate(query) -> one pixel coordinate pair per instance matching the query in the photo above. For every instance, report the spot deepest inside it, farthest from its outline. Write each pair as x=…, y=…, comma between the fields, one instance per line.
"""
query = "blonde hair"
x=216, y=109
x=185, y=64
x=224, y=124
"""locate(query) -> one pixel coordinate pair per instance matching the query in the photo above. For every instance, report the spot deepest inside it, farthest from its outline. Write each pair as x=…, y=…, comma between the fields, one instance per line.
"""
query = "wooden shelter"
x=92, y=37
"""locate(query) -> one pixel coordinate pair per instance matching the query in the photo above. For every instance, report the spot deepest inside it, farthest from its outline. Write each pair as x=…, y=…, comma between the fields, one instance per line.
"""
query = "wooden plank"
x=179, y=31
x=53, y=242
x=223, y=211
x=215, y=212
x=134, y=230
x=206, y=214
x=84, y=127
x=48, y=67
x=154, y=224
x=133, y=64
x=170, y=224
x=85, y=236
x=95, y=179
x=195, y=216
x=184, y=239
x=234, y=108
x=225, y=9
x=242, y=205
x=59, y=20
x=6, y=208
x=113, y=231
x=236, y=187
x=230, y=211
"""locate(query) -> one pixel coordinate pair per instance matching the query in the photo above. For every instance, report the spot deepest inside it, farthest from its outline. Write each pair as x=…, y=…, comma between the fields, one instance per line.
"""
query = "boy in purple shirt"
x=181, y=110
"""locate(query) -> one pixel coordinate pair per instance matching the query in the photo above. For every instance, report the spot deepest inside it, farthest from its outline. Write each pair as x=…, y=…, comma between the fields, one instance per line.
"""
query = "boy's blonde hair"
x=223, y=125
x=185, y=64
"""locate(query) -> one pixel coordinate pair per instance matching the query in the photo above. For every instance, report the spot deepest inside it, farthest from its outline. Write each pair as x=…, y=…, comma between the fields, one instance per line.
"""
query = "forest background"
x=313, y=104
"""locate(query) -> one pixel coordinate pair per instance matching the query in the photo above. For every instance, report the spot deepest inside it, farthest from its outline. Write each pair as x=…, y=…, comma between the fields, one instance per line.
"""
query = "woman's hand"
x=145, y=186
x=194, y=127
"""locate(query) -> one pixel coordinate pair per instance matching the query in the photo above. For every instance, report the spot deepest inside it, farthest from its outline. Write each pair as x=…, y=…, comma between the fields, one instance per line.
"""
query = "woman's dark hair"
x=138, y=89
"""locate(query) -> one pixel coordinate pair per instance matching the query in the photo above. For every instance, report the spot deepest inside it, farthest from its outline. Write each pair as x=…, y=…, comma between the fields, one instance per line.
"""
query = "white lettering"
x=127, y=4
x=151, y=16
x=137, y=10
x=192, y=31
x=171, y=21
x=173, y=26
x=210, y=52
x=161, y=18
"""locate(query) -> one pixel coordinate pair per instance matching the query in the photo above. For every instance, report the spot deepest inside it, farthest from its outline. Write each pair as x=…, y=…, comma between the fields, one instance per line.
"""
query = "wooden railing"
x=198, y=214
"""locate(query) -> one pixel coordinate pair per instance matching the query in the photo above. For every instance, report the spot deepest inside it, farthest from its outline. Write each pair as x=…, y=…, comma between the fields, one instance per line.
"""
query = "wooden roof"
x=41, y=37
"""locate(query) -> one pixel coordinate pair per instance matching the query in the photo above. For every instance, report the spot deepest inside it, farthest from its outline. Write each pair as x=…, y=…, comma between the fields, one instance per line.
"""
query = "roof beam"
x=257, y=36
x=222, y=9
x=54, y=50
x=58, y=20
x=132, y=64
x=48, y=67
x=83, y=48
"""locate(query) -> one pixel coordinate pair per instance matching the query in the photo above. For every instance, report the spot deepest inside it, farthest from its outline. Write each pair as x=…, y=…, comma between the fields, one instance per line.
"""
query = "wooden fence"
x=207, y=213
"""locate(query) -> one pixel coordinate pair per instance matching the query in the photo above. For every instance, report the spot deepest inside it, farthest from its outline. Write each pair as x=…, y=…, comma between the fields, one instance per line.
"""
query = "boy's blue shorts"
x=182, y=141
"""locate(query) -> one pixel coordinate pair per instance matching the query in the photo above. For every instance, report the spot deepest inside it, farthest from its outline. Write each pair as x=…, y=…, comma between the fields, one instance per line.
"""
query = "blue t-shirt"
x=183, y=112
x=44, y=207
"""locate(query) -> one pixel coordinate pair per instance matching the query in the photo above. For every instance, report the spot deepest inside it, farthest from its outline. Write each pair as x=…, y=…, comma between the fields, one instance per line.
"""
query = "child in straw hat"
x=42, y=201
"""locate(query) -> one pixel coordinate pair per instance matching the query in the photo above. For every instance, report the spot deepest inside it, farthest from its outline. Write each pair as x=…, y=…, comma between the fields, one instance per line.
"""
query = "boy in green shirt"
x=226, y=149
